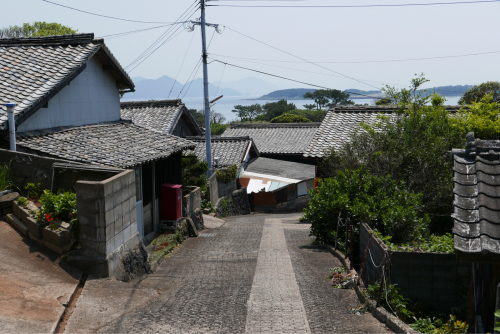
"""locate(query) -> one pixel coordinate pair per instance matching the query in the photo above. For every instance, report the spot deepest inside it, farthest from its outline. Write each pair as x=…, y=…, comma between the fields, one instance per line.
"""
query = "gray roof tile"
x=477, y=197
x=229, y=150
x=156, y=115
x=33, y=68
x=116, y=144
x=341, y=122
x=275, y=138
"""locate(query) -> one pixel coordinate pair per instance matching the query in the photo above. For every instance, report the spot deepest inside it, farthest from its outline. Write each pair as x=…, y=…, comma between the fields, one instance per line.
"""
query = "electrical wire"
x=288, y=53
x=180, y=68
x=361, y=62
x=285, y=78
x=364, y=6
x=223, y=70
x=162, y=39
x=191, y=81
x=296, y=69
x=105, y=16
x=134, y=31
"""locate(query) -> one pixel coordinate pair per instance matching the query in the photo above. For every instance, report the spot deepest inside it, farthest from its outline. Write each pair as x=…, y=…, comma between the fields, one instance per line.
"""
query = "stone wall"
x=108, y=223
x=226, y=189
x=237, y=204
x=434, y=280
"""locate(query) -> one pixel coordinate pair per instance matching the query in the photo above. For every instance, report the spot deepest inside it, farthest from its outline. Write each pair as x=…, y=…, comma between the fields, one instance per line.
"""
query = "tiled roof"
x=275, y=138
x=287, y=169
x=229, y=150
x=32, y=70
x=156, y=115
x=477, y=197
x=117, y=144
x=341, y=122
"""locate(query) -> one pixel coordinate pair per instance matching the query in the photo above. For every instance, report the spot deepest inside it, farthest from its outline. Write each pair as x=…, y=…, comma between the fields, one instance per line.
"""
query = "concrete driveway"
x=34, y=285
x=254, y=274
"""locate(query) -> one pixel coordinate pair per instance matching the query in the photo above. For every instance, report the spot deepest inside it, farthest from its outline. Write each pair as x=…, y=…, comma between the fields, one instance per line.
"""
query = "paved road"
x=254, y=274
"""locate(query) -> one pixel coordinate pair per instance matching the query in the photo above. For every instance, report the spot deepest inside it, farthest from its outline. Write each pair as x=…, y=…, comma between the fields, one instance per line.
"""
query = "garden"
x=397, y=177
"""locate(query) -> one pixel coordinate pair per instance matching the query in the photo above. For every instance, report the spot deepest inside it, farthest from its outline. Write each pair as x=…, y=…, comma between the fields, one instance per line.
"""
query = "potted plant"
x=56, y=232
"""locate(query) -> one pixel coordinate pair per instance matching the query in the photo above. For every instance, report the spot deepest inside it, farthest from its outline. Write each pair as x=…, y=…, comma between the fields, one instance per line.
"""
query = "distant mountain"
x=298, y=93
x=138, y=79
x=250, y=86
x=158, y=89
x=287, y=94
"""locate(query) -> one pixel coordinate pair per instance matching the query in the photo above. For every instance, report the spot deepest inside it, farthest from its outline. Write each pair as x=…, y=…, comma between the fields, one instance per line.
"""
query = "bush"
x=22, y=201
x=218, y=129
x=194, y=171
x=60, y=206
x=290, y=118
x=227, y=175
x=313, y=115
x=432, y=244
x=481, y=117
x=381, y=202
x=477, y=92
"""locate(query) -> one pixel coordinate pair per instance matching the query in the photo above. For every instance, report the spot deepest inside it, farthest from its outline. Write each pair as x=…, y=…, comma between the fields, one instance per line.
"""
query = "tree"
x=334, y=97
x=412, y=146
x=290, y=118
x=312, y=115
x=247, y=113
x=481, y=117
x=309, y=106
x=275, y=109
x=37, y=29
x=383, y=102
x=476, y=93
x=199, y=116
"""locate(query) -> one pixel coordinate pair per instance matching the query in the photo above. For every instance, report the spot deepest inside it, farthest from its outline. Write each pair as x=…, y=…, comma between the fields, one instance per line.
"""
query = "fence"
x=434, y=280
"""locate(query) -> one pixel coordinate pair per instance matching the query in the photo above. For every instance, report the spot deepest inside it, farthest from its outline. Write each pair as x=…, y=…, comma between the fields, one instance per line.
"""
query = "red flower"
x=47, y=216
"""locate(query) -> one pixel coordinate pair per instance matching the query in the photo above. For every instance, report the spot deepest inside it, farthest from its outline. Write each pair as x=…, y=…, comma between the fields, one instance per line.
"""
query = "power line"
x=363, y=6
x=362, y=62
x=134, y=31
x=285, y=78
x=144, y=55
x=295, y=69
x=180, y=68
x=310, y=62
x=95, y=14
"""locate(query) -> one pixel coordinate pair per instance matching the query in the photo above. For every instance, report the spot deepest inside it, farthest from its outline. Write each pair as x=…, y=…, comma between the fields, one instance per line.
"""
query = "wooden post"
x=347, y=224
x=337, y=234
x=364, y=258
x=350, y=246
x=382, y=281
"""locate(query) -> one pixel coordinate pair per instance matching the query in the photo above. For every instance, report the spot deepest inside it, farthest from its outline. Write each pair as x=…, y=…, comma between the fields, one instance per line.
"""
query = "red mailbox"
x=171, y=202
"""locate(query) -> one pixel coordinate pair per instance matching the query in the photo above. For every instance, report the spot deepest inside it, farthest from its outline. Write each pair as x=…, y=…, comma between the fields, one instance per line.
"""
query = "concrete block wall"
x=434, y=280
x=226, y=189
x=191, y=201
x=107, y=214
x=213, y=188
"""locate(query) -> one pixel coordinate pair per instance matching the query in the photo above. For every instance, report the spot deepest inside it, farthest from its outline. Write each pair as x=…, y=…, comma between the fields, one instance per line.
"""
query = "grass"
x=166, y=243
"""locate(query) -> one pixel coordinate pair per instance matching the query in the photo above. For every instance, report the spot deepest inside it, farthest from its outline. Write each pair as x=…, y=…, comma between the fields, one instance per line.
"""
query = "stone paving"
x=254, y=274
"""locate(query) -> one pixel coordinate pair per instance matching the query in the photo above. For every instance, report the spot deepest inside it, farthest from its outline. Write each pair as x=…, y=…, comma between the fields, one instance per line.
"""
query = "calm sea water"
x=226, y=104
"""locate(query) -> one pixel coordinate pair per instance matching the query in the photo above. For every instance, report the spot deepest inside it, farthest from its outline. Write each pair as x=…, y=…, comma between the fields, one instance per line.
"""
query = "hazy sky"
x=316, y=34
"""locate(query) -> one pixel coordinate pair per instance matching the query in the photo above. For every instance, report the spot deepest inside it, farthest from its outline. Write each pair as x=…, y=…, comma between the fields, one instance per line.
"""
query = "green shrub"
x=33, y=189
x=218, y=129
x=432, y=244
x=481, y=117
x=477, y=92
x=194, y=171
x=290, y=118
x=6, y=175
x=381, y=202
x=312, y=115
x=60, y=206
x=227, y=175
x=22, y=201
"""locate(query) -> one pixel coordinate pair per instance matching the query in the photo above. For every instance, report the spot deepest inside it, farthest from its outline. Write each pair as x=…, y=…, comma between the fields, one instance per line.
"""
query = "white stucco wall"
x=92, y=97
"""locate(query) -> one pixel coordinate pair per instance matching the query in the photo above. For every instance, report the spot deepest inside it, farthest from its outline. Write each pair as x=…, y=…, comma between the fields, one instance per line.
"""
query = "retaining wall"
x=238, y=204
x=213, y=188
x=436, y=281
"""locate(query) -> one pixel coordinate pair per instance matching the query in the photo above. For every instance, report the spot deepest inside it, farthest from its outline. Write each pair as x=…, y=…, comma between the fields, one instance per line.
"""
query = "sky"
x=357, y=42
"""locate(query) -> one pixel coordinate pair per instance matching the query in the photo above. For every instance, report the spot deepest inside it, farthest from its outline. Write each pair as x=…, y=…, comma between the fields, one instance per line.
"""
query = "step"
x=16, y=223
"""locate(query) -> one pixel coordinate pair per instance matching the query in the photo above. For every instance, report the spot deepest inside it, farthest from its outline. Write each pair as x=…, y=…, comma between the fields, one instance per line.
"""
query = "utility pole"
x=208, y=135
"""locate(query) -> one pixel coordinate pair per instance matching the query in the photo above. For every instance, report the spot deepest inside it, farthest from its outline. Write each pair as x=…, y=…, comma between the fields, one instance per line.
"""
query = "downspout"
x=12, y=125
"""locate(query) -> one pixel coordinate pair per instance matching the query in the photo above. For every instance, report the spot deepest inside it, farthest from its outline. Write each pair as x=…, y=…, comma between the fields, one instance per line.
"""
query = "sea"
x=226, y=104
